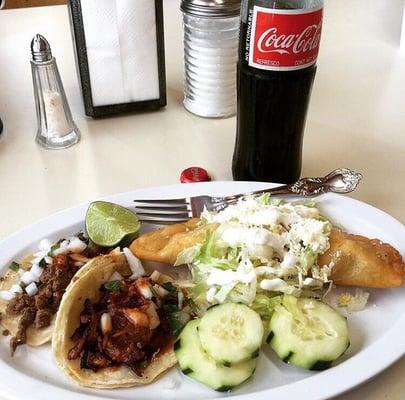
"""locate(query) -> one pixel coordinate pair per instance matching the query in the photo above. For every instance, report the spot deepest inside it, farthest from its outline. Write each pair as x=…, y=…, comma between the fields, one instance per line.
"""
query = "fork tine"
x=162, y=221
x=183, y=215
x=163, y=202
x=165, y=209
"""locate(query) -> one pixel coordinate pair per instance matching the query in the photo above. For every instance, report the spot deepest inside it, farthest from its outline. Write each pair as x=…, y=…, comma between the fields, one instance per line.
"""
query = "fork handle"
x=341, y=180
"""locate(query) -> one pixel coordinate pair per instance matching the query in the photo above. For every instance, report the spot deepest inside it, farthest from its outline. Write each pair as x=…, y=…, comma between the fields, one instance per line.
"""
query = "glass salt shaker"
x=211, y=35
x=56, y=128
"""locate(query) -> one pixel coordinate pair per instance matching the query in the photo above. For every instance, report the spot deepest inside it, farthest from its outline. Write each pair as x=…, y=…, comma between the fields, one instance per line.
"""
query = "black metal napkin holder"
x=80, y=49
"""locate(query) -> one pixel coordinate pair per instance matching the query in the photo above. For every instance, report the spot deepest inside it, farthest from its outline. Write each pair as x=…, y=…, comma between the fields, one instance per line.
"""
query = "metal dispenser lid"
x=40, y=49
x=211, y=8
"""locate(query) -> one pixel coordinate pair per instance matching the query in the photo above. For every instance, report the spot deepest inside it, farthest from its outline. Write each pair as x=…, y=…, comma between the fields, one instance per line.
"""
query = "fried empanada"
x=359, y=261
x=165, y=244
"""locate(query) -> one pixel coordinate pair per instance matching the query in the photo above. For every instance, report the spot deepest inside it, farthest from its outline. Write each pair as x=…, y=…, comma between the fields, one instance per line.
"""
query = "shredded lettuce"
x=259, y=238
x=306, y=203
x=266, y=199
x=188, y=255
x=264, y=304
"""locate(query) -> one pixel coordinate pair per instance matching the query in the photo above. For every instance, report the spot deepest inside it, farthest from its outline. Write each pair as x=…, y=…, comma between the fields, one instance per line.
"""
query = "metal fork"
x=171, y=211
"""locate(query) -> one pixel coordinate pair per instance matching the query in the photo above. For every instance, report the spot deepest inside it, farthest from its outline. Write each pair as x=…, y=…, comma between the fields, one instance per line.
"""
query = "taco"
x=32, y=290
x=111, y=329
x=17, y=318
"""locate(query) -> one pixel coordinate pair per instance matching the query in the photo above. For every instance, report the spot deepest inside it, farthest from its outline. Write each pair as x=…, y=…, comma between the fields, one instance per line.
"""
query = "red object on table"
x=194, y=174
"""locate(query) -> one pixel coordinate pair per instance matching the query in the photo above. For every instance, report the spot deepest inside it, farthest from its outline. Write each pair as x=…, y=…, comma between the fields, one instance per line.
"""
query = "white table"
x=356, y=119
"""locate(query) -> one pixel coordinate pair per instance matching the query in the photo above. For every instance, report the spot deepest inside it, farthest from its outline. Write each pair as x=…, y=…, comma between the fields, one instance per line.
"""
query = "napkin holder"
x=111, y=45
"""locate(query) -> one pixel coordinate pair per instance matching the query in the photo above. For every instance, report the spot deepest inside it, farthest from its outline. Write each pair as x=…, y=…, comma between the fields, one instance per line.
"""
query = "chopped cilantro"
x=172, y=296
x=113, y=285
x=42, y=263
x=173, y=313
x=152, y=289
x=169, y=286
x=14, y=266
x=53, y=248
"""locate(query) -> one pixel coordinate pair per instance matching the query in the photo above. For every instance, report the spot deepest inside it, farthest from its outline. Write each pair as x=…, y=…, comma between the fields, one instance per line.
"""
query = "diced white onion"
x=116, y=276
x=16, y=289
x=180, y=299
x=45, y=245
x=106, y=323
x=31, y=289
x=28, y=277
x=134, y=263
x=154, y=320
x=155, y=276
x=60, y=250
x=76, y=245
x=145, y=292
x=160, y=291
x=6, y=295
x=36, y=270
x=48, y=260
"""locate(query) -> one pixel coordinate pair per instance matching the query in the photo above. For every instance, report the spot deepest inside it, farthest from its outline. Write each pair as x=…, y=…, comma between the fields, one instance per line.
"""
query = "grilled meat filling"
x=38, y=310
x=127, y=339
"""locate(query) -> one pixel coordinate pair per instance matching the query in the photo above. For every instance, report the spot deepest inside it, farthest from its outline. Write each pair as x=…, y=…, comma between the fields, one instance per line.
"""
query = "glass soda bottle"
x=278, y=49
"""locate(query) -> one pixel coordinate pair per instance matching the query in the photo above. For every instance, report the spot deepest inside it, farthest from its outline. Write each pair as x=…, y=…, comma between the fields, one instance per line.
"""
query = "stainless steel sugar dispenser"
x=56, y=128
x=211, y=33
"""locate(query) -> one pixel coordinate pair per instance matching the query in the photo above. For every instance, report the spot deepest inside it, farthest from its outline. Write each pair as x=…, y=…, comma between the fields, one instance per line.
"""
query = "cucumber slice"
x=308, y=333
x=231, y=333
x=196, y=364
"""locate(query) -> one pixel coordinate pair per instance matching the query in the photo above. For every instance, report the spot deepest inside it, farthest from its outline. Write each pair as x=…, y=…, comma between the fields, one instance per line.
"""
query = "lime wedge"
x=108, y=224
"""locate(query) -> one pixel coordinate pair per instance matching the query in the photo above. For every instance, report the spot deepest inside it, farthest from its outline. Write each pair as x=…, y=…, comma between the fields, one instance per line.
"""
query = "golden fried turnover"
x=356, y=260
x=165, y=244
x=359, y=261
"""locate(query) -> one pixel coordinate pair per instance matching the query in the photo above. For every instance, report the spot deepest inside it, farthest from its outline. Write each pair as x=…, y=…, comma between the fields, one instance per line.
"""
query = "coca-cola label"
x=283, y=40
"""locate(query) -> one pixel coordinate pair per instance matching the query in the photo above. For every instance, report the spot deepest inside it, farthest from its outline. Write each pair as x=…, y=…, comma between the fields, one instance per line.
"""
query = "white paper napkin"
x=121, y=50
x=137, y=36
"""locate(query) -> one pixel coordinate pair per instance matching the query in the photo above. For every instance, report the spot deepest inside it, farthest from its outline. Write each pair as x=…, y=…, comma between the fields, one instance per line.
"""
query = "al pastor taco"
x=112, y=329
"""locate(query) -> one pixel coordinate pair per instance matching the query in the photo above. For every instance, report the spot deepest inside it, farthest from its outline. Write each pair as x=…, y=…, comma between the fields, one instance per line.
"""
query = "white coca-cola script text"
x=308, y=39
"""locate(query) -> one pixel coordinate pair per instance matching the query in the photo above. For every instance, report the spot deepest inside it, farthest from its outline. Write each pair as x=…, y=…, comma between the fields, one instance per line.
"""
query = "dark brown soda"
x=272, y=109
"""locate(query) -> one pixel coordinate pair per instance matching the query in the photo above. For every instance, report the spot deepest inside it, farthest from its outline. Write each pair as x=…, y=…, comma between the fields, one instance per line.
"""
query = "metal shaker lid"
x=211, y=8
x=40, y=49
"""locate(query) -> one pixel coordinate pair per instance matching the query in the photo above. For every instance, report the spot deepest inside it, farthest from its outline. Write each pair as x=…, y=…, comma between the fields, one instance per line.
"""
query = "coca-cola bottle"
x=279, y=44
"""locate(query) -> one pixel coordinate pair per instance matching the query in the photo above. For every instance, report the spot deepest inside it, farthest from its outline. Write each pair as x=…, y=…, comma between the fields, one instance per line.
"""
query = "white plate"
x=376, y=333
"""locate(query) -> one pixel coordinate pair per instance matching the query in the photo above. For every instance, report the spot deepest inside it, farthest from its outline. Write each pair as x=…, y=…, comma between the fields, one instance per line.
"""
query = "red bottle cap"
x=194, y=174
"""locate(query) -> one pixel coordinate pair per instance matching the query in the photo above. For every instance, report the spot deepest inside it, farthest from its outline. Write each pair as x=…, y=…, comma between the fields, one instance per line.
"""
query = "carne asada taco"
x=111, y=329
x=31, y=291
